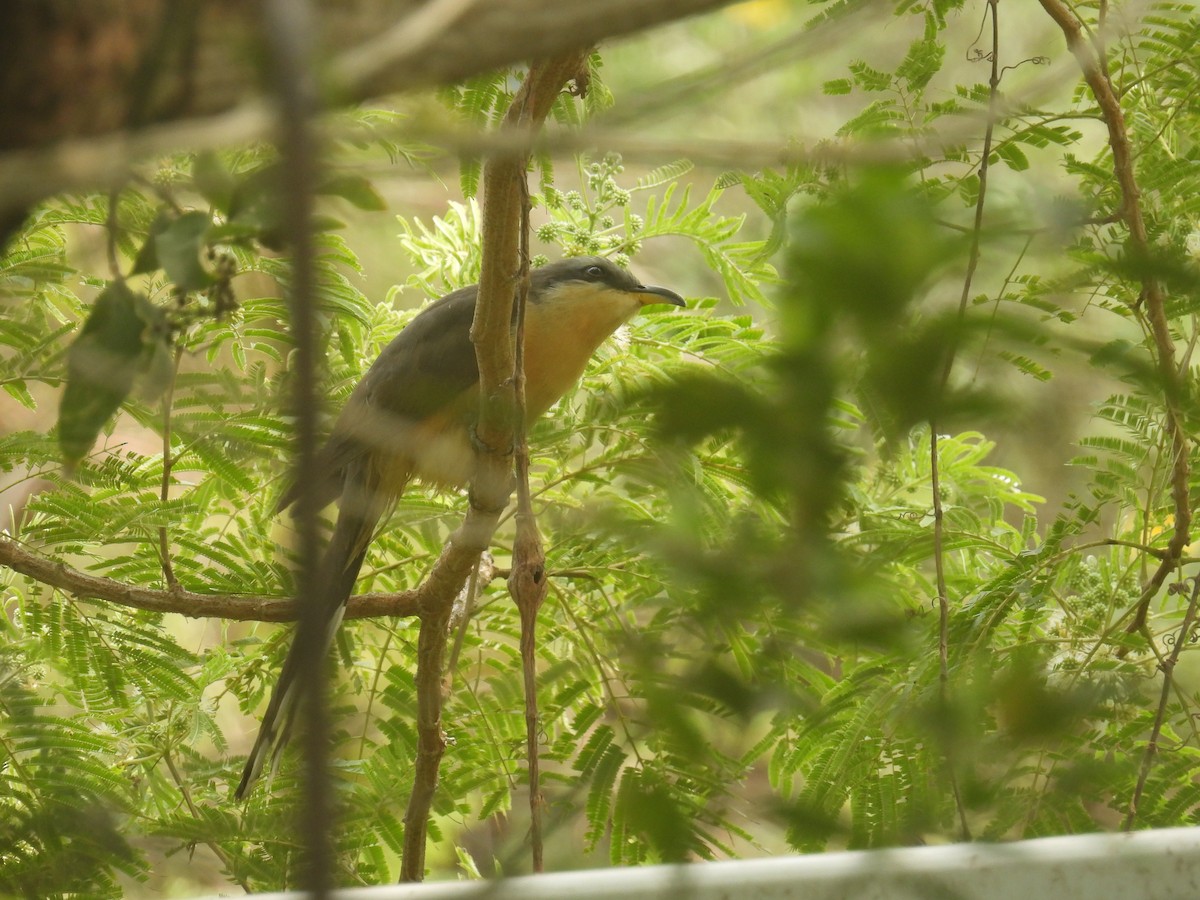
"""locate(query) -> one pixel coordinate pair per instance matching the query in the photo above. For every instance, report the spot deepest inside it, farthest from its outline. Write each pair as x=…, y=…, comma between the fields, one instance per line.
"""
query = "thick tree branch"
x=75, y=69
x=491, y=485
x=1096, y=76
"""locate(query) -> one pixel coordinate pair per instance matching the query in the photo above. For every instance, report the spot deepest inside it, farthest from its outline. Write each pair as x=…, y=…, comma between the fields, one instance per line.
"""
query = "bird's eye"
x=593, y=271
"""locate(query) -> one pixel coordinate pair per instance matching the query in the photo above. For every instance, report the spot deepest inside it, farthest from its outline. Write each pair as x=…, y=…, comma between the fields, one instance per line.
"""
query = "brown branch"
x=194, y=605
x=452, y=570
x=235, y=607
x=1151, y=295
x=81, y=164
x=491, y=485
x=504, y=196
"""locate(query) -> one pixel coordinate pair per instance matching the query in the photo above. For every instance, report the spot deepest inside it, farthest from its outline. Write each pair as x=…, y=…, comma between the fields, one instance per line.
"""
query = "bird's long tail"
x=340, y=566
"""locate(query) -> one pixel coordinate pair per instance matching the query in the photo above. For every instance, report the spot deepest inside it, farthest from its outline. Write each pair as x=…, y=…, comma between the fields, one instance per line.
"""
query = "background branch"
x=1152, y=296
x=939, y=527
x=72, y=68
x=83, y=163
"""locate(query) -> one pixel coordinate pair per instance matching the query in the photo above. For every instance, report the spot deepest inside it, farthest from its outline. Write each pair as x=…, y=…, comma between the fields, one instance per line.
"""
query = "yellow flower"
x=760, y=13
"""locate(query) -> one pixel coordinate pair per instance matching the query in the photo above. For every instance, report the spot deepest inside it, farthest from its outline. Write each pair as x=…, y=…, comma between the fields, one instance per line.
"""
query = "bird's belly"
x=442, y=454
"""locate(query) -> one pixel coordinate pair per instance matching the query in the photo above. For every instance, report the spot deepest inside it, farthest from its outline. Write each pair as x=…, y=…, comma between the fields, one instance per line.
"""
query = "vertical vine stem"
x=164, y=493
x=527, y=581
x=500, y=280
x=288, y=35
x=1151, y=302
x=939, y=561
x=1167, y=667
x=527, y=584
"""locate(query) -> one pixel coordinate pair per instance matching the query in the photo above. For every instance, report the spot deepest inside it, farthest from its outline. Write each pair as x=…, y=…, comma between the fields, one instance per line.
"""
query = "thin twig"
x=186, y=793
x=465, y=604
x=373, y=690
x=464, y=622
x=943, y=595
x=527, y=583
x=1008, y=279
x=164, y=493
x=1167, y=666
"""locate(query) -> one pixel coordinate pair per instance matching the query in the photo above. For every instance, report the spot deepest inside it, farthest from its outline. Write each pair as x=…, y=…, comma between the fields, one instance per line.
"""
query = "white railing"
x=1144, y=865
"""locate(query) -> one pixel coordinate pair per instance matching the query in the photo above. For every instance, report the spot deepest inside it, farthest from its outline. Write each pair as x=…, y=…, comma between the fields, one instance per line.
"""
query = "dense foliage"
x=751, y=514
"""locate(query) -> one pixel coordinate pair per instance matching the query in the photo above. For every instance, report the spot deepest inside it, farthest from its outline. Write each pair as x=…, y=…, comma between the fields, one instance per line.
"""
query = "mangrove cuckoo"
x=413, y=416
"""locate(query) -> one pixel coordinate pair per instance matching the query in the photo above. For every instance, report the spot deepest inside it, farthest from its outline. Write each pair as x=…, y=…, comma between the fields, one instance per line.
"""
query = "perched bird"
x=413, y=415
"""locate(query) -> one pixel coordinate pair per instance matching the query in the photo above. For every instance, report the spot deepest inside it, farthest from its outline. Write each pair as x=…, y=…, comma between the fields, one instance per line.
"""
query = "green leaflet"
x=122, y=340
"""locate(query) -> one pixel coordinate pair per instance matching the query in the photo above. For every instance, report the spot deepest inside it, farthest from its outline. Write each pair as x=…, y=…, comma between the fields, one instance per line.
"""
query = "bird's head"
x=598, y=279
x=574, y=305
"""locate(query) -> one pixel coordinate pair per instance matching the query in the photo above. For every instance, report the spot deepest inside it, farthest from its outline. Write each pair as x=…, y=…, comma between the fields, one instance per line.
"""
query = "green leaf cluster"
x=751, y=517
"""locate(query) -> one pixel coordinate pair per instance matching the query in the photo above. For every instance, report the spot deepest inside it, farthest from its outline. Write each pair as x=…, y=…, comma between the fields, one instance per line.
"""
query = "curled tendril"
x=1192, y=638
x=1033, y=61
x=1172, y=746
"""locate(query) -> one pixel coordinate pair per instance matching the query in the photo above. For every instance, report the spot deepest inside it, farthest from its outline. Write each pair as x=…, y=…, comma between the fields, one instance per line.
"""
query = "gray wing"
x=424, y=370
